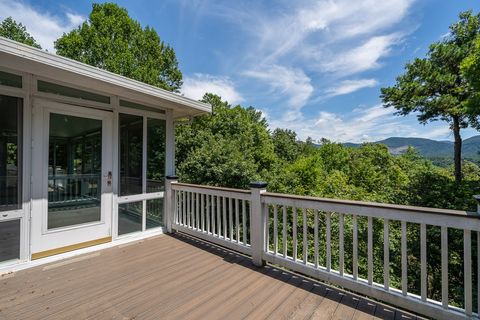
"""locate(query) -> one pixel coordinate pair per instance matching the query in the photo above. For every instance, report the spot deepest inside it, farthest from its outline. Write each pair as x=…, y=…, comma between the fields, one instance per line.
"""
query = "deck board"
x=175, y=277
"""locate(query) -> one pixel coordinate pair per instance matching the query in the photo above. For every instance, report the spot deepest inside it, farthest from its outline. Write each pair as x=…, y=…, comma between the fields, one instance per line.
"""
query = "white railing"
x=351, y=244
x=219, y=215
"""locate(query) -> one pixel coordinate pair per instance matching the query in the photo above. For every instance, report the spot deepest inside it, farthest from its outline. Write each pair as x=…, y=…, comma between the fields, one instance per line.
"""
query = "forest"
x=233, y=146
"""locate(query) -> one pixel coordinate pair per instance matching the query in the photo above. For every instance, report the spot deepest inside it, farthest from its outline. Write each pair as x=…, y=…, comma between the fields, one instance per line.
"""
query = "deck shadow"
x=365, y=306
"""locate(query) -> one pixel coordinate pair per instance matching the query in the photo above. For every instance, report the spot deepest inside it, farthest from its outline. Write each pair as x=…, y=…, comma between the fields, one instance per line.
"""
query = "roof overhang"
x=26, y=59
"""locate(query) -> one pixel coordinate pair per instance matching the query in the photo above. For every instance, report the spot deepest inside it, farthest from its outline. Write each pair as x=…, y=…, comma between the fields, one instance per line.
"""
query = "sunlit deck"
x=175, y=277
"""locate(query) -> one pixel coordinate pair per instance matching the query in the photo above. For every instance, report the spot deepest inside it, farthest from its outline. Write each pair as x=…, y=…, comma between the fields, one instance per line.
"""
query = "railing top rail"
x=189, y=185
x=376, y=205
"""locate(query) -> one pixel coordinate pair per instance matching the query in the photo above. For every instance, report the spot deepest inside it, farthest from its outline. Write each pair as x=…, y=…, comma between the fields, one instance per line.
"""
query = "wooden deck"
x=174, y=277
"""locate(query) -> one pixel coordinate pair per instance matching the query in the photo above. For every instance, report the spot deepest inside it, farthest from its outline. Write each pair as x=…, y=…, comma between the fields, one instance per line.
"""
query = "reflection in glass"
x=49, y=87
x=131, y=146
x=130, y=217
x=155, y=155
x=154, y=213
x=74, y=170
x=10, y=153
x=9, y=240
x=10, y=79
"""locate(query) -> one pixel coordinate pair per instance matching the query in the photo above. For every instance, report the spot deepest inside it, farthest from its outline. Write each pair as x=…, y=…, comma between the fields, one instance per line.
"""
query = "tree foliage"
x=10, y=29
x=230, y=147
x=233, y=146
x=112, y=40
x=434, y=87
x=471, y=70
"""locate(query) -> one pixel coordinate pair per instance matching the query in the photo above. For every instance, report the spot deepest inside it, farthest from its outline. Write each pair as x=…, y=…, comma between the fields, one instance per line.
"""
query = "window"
x=155, y=155
x=138, y=106
x=154, y=213
x=131, y=154
x=142, y=172
x=10, y=153
x=130, y=217
x=9, y=240
x=49, y=87
x=10, y=79
x=74, y=170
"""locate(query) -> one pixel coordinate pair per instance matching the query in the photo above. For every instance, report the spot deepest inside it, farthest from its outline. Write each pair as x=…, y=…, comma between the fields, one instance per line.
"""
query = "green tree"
x=471, y=70
x=230, y=147
x=285, y=144
x=10, y=29
x=112, y=40
x=435, y=88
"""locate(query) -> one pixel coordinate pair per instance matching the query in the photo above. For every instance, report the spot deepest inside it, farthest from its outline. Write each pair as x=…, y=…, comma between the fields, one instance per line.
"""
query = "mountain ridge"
x=432, y=149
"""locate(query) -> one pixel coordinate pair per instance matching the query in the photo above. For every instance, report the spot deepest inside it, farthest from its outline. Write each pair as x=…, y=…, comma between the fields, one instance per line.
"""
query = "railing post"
x=477, y=197
x=257, y=224
x=169, y=202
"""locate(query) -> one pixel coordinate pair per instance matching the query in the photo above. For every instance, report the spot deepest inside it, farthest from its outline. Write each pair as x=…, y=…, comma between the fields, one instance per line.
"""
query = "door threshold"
x=8, y=269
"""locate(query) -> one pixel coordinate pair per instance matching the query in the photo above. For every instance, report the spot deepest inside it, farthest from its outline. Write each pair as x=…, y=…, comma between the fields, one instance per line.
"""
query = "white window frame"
x=23, y=214
x=144, y=196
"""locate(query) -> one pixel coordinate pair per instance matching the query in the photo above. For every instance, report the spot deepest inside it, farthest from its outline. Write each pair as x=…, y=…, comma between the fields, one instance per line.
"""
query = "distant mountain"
x=430, y=148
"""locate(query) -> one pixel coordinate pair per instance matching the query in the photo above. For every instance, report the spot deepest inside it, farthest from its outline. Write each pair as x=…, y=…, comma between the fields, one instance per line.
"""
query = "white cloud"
x=290, y=49
x=291, y=82
x=361, y=125
x=320, y=24
x=45, y=27
x=363, y=57
x=196, y=86
x=349, y=86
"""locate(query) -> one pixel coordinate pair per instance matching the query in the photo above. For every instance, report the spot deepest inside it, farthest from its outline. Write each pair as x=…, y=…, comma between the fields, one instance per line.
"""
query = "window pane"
x=131, y=147
x=138, y=106
x=9, y=240
x=74, y=170
x=10, y=79
x=154, y=213
x=44, y=86
x=10, y=153
x=155, y=155
x=130, y=217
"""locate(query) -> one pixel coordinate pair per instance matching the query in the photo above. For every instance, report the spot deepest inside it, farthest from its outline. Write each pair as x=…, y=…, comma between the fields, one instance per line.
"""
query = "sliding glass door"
x=142, y=172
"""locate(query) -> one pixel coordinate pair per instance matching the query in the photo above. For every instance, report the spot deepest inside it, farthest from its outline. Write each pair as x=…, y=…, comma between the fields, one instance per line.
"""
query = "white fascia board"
x=52, y=60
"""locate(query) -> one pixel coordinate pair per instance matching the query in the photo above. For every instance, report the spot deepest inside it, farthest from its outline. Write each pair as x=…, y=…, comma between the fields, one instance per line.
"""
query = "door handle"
x=108, y=176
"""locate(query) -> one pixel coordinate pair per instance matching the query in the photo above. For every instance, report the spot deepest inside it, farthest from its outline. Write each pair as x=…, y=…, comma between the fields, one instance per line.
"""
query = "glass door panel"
x=142, y=173
x=156, y=132
x=74, y=170
x=130, y=217
x=10, y=176
x=10, y=153
x=131, y=159
x=9, y=240
x=154, y=213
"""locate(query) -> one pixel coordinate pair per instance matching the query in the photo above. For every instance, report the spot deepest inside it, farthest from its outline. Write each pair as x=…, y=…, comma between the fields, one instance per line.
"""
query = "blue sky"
x=315, y=67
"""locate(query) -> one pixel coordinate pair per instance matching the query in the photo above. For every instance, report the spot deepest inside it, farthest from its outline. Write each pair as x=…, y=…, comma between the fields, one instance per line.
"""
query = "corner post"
x=169, y=202
x=257, y=228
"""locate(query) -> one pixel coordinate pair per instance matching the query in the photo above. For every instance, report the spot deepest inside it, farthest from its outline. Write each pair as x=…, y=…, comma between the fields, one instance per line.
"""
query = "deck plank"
x=175, y=277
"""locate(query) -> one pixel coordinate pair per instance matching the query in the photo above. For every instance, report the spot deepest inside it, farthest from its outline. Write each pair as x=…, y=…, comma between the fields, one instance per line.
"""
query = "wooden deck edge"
x=51, y=252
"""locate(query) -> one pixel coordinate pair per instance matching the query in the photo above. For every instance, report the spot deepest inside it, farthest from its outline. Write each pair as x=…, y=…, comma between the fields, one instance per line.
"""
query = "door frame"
x=42, y=239
x=22, y=214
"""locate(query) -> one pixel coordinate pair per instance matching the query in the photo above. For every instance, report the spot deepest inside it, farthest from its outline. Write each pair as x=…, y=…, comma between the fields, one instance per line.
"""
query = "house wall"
x=33, y=204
